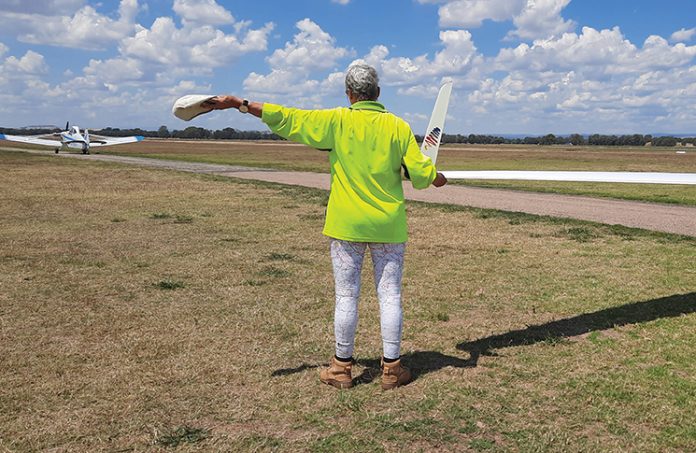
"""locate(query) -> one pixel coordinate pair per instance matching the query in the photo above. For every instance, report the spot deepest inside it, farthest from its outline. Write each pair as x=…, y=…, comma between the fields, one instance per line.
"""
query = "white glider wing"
x=436, y=126
x=32, y=140
x=114, y=141
x=433, y=136
x=578, y=176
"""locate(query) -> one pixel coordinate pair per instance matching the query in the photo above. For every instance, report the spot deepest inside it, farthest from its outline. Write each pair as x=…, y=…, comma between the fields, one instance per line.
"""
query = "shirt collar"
x=368, y=105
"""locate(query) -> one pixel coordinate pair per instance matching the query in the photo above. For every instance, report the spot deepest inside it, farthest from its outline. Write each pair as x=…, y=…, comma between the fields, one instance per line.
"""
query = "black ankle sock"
x=386, y=360
x=341, y=359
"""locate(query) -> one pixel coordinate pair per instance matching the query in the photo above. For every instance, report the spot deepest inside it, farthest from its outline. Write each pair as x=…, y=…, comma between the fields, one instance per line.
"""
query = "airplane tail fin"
x=433, y=135
x=87, y=136
x=67, y=126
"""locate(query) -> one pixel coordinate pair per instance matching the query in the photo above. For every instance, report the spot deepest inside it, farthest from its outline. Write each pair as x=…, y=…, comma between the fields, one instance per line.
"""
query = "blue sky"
x=518, y=66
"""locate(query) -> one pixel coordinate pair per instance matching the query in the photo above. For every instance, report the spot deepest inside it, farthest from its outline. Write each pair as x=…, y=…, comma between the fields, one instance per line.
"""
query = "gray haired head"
x=362, y=82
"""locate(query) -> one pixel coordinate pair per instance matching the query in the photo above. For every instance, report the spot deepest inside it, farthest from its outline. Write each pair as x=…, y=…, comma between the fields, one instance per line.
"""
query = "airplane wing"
x=32, y=140
x=578, y=176
x=115, y=141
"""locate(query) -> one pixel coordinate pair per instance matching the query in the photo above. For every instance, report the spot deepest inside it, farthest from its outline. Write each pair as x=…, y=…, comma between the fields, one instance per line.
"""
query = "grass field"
x=463, y=157
x=145, y=310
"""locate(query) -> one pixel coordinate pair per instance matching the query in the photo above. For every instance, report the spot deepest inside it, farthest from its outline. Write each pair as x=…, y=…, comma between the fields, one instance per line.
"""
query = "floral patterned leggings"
x=388, y=264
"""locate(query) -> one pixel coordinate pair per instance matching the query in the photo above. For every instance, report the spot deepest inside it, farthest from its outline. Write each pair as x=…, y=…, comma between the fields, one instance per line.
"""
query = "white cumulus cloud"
x=595, y=52
x=294, y=66
x=115, y=70
x=472, y=13
x=207, y=12
x=311, y=48
x=30, y=63
x=594, y=81
x=151, y=68
x=45, y=7
x=541, y=19
x=533, y=18
x=204, y=46
x=19, y=78
x=296, y=69
x=683, y=35
x=457, y=57
x=85, y=29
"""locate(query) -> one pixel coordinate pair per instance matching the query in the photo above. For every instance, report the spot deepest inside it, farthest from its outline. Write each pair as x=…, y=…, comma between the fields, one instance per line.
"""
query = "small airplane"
x=72, y=138
x=433, y=137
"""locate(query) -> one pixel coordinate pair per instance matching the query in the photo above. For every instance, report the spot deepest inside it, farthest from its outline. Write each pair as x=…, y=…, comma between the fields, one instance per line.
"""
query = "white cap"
x=188, y=107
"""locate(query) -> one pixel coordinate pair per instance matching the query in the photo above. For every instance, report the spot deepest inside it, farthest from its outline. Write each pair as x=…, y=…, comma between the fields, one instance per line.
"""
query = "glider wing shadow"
x=637, y=312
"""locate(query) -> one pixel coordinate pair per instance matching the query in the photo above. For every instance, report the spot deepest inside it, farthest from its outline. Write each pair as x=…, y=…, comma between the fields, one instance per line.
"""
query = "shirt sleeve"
x=314, y=128
x=421, y=169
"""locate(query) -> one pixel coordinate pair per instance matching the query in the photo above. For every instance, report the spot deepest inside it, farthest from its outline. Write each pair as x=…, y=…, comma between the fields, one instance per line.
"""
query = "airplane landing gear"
x=56, y=150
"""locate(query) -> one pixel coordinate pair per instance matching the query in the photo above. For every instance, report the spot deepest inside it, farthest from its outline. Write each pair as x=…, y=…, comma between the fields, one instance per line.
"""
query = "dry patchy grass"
x=145, y=310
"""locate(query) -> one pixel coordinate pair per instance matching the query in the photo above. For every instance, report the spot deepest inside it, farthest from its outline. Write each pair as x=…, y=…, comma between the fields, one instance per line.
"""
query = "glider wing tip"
x=2, y=136
x=139, y=138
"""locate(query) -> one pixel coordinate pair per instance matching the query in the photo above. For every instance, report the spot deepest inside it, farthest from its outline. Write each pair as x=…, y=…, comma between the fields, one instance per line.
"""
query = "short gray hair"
x=363, y=82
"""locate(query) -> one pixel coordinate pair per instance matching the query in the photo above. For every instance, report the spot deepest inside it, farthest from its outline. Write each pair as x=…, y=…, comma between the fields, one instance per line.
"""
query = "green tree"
x=548, y=139
x=576, y=139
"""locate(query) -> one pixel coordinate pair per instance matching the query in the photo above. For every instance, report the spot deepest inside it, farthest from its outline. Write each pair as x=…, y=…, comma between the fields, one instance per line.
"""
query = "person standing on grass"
x=367, y=148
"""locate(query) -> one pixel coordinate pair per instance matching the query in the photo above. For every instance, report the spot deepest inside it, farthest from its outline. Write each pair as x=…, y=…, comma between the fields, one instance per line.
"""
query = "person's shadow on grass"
x=423, y=362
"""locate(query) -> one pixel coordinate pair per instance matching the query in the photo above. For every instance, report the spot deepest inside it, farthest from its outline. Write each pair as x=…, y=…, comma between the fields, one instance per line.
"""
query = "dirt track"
x=650, y=216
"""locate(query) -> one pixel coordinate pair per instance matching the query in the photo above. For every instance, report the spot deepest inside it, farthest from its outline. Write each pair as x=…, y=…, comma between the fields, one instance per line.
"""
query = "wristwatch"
x=244, y=108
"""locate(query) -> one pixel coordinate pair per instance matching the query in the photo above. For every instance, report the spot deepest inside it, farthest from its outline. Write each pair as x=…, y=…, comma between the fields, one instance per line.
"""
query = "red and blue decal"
x=433, y=138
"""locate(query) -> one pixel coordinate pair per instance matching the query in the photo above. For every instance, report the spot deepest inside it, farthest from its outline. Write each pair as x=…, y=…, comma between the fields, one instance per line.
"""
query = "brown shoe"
x=337, y=374
x=394, y=375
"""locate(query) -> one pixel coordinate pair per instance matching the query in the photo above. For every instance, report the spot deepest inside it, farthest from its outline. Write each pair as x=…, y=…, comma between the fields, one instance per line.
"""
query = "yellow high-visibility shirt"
x=367, y=148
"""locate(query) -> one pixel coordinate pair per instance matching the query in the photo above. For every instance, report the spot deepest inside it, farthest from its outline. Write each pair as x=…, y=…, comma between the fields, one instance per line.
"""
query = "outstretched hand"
x=223, y=102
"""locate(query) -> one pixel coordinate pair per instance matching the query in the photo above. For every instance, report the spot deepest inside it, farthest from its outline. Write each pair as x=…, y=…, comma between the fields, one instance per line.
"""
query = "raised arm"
x=223, y=102
x=310, y=127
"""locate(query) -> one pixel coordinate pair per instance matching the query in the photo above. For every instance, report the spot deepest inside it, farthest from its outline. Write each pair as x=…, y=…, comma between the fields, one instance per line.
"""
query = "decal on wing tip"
x=2, y=136
x=433, y=138
x=140, y=138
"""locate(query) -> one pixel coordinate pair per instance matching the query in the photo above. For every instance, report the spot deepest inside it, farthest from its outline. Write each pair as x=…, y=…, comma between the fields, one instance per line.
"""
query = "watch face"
x=243, y=108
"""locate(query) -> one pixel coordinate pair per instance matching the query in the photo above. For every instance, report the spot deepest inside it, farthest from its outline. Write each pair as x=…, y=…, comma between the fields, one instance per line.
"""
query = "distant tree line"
x=229, y=133
x=10, y=131
x=191, y=132
x=573, y=139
